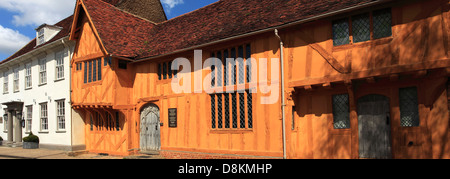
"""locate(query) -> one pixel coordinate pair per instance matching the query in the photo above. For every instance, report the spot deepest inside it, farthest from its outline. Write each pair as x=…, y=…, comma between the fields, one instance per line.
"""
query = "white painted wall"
x=50, y=92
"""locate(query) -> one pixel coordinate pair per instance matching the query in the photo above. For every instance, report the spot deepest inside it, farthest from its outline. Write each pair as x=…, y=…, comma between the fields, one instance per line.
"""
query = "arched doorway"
x=374, y=126
x=150, y=139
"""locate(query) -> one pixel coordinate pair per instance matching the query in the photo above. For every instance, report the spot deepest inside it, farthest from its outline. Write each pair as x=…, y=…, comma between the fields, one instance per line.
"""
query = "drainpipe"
x=283, y=101
x=70, y=92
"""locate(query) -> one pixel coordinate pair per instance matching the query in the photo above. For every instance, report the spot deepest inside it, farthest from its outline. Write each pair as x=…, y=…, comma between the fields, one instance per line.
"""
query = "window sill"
x=42, y=84
x=60, y=131
x=43, y=132
x=373, y=42
x=230, y=131
x=28, y=88
x=61, y=79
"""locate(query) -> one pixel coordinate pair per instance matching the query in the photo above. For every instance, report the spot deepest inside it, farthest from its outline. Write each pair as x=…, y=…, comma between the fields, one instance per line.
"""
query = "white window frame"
x=42, y=71
x=29, y=118
x=43, y=122
x=60, y=115
x=16, y=78
x=41, y=37
x=5, y=124
x=5, y=82
x=59, y=68
x=28, y=78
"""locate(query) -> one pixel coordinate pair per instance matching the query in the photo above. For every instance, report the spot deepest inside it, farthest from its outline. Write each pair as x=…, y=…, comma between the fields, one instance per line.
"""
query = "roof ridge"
x=127, y=11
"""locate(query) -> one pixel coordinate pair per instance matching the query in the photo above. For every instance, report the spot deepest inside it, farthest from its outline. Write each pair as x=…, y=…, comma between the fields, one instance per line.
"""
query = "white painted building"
x=35, y=91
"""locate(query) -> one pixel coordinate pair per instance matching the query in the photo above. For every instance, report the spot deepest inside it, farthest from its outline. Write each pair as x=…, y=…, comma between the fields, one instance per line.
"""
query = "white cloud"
x=169, y=4
x=37, y=12
x=11, y=40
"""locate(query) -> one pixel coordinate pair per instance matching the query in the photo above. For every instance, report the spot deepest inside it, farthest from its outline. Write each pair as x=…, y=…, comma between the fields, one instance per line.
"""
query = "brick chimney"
x=151, y=10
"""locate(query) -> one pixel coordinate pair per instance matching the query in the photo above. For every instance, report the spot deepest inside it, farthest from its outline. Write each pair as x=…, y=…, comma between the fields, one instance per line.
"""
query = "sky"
x=19, y=18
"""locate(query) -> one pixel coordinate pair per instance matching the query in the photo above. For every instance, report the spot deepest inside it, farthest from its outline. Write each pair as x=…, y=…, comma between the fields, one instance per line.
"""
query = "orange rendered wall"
x=194, y=132
x=419, y=42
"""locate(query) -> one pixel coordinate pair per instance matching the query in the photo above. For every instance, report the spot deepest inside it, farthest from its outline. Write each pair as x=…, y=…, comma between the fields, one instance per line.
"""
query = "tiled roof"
x=121, y=33
x=128, y=36
x=65, y=24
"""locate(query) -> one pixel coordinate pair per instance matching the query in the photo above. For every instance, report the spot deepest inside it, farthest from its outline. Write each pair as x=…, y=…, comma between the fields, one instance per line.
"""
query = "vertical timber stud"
x=353, y=121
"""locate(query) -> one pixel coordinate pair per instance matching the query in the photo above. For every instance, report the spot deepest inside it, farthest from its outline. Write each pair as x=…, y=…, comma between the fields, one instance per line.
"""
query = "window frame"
x=28, y=76
x=59, y=65
x=43, y=71
x=29, y=118
x=43, y=117
x=16, y=79
x=349, y=18
x=60, y=115
x=41, y=36
x=231, y=111
x=5, y=83
x=348, y=120
x=92, y=72
x=416, y=111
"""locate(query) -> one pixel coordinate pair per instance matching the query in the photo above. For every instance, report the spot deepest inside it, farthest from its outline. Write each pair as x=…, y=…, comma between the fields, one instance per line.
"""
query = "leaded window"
x=248, y=52
x=341, y=32
x=234, y=109
x=242, y=110
x=341, y=111
x=409, y=110
x=361, y=28
x=213, y=111
x=165, y=71
x=85, y=72
x=235, y=113
x=219, y=111
x=241, y=64
x=92, y=71
x=249, y=109
x=159, y=72
x=382, y=23
x=99, y=69
x=227, y=110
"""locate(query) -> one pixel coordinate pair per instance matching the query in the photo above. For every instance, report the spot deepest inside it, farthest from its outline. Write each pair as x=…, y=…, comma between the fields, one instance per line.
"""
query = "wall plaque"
x=173, y=117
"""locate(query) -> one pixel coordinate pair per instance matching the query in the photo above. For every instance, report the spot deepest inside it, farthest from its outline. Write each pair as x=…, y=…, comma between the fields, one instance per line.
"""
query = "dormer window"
x=41, y=38
x=45, y=32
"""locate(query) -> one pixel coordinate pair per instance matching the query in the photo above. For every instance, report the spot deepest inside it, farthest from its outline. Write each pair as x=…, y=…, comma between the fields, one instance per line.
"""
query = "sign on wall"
x=173, y=117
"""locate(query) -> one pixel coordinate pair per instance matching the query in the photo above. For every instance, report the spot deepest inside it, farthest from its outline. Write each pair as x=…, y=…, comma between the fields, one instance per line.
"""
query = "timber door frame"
x=355, y=92
x=386, y=122
x=146, y=110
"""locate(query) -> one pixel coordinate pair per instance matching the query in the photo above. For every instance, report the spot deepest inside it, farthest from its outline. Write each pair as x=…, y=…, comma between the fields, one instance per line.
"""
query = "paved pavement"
x=20, y=153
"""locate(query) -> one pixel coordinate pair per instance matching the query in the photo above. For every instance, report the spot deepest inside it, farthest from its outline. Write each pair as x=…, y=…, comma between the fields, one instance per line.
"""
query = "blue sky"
x=19, y=18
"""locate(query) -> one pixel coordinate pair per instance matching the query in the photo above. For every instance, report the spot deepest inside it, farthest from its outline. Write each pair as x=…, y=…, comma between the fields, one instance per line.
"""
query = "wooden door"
x=374, y=127
x=150, y=139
